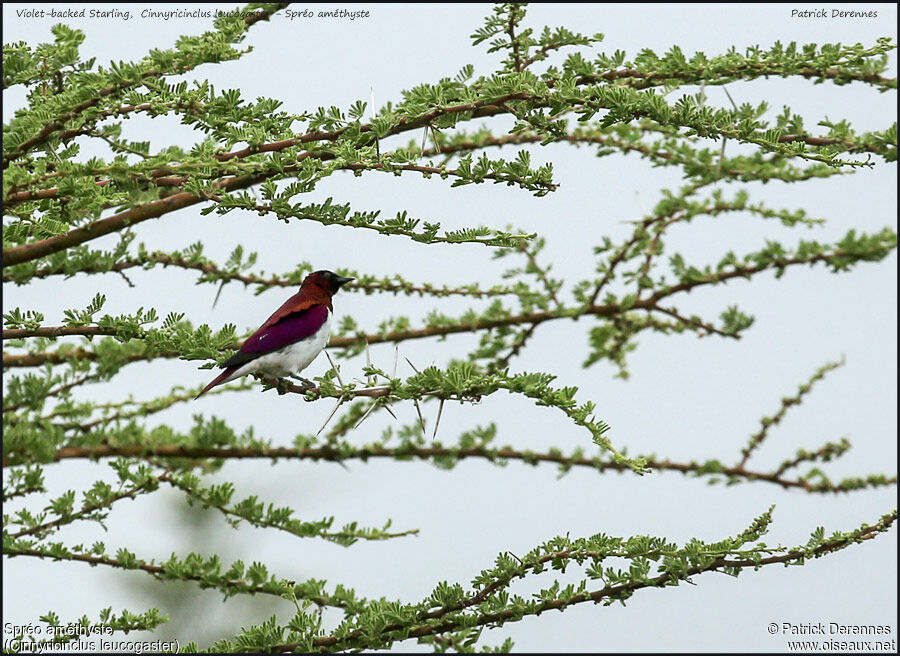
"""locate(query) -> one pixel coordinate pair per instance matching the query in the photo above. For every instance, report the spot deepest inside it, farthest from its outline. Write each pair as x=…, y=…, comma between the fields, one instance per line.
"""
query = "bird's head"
x=326, y=280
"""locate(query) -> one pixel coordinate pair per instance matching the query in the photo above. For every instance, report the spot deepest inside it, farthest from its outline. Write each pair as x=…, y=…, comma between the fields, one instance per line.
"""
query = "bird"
x=291, y=338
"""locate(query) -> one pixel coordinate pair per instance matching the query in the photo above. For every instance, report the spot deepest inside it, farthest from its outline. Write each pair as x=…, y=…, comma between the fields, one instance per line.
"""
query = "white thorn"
x=421, y=418
x=438, y=420
x=437, y=146
x=337, y=372
x=368, y=412
x=218, y=293
x=733, y=104
x=340, y=401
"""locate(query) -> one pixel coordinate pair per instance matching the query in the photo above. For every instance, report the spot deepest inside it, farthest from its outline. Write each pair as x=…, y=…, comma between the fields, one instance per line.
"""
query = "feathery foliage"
x=256, y=157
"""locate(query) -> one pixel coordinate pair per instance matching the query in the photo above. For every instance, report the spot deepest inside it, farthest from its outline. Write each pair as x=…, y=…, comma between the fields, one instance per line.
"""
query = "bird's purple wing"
x=287, y=330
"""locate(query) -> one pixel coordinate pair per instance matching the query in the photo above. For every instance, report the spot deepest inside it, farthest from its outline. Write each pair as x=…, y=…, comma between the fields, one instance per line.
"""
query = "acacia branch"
x=138, y=409
x=749, y=71
x=516, y=347
x=638, y=79
x=786, y=403
x=54, y=392
x=514, y=42
x=609, y=592
x=477, y=109
x=741, y=271
x=650, y=304
x=166, y=176
x=155, y=209
x=217, y=273
x=400, y=453
x=827, y=452
x=162, y=573
x=55, y=357
x=117, y=222
x=57, y=331
x=568, y=555
x=696, y=323
x=60, y=121
x=85, y=513
x=612, y=141
x=289, y=525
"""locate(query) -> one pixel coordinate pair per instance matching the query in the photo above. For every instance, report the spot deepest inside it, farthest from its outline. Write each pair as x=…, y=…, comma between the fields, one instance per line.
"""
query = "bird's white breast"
x=291, y=359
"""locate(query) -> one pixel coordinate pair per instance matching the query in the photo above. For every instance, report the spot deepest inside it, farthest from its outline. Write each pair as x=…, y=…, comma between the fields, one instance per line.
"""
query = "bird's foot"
x=281, y=385
x=307, y=384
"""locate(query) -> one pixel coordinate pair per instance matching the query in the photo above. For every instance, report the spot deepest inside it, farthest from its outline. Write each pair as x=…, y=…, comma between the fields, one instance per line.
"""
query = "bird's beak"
x=341, y=280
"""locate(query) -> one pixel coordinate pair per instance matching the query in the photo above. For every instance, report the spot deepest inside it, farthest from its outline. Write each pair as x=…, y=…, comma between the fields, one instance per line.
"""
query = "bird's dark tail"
x=217, y=380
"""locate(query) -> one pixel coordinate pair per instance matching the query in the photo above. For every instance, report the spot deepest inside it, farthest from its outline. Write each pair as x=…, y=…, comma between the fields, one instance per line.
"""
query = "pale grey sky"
x=687, y=399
